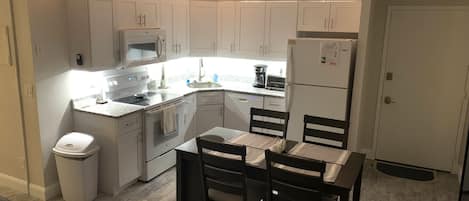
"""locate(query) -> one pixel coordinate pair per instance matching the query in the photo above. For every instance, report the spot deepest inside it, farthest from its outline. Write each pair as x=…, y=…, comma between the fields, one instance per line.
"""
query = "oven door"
x=156, y=143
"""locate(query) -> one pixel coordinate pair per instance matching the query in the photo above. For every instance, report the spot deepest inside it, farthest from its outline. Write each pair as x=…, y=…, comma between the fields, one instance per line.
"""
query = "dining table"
x=346, y=182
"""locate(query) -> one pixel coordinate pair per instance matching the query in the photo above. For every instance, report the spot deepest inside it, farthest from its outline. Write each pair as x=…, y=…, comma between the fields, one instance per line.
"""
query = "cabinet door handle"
x=10, y=56
x=144, y=20
x=244, y=100
x=332, y=24
x=325, y=23
x=139, y=19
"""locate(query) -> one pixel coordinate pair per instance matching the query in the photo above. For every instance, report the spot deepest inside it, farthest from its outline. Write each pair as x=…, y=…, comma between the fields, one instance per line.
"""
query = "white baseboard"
x=13, y=183
x=37, y=191
x=368, y=153
x=51, y=191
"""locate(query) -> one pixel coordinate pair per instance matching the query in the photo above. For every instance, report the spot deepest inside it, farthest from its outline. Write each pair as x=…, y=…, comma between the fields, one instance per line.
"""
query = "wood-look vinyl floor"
x=376, y=187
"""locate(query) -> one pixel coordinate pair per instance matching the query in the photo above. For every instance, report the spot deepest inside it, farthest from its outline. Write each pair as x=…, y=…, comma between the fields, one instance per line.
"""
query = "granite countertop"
x=117, y=109
x=110, y=109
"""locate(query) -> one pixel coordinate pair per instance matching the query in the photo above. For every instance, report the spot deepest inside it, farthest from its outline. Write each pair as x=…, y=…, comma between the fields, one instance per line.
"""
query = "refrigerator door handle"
x=290, y=67
x=288, y=93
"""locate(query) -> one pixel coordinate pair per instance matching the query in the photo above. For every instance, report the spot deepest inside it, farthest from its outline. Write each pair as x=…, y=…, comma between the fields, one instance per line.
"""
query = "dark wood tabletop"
x=348, y=178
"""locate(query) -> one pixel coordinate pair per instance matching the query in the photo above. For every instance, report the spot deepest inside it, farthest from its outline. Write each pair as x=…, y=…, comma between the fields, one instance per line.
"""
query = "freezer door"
x=315, y=101
x=319, y=62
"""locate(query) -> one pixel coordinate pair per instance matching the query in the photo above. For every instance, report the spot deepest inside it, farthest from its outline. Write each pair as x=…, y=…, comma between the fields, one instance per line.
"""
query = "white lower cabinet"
x=209, y=111
x=208, y=117
x=238, y=109
x=190, y=127
x=120, y=141
x=128, y=158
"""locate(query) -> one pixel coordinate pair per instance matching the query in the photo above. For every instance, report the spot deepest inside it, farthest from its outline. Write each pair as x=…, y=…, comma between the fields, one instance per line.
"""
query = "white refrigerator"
x=319, y=81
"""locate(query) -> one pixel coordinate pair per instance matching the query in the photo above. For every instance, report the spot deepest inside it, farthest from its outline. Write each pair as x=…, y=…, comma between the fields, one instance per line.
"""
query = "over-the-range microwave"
x=142, y=46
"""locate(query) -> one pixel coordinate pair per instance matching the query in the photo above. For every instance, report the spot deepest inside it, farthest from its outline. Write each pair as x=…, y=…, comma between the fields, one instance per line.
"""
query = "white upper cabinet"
x=329, y=16
x=150, y=10
x=203, y=28
x=181, y=27
x=345, y=16
x=280, y=25
x=91, y=34
x=174, y=15
x=136, y=14
x=227, y=13
x=251, y=29
x=313, y=15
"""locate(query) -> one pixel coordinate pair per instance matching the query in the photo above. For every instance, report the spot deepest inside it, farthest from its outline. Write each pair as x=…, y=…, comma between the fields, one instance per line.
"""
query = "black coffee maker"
x=259, y=80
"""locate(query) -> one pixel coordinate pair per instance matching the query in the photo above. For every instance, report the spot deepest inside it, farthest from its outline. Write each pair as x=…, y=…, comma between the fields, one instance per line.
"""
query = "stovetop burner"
x=147, y=98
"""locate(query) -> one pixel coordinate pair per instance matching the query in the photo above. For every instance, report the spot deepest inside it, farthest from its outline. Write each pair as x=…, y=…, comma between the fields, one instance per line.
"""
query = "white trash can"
x=76, y=156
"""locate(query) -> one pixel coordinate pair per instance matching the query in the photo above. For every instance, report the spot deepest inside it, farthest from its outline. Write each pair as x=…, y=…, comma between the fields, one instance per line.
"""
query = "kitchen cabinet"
x=203, y=28
x=238, y=109
x=227, y=14
x=251, y=28
x=189, y=129
x=264, y=28
x=128, y=157
x=131, y=14
x=210, y=106
x=175, y=21
x=91, y=34
x=345, y=16
x=280, y=25
x=120, y=140
x=275, y=104
x=323, y=16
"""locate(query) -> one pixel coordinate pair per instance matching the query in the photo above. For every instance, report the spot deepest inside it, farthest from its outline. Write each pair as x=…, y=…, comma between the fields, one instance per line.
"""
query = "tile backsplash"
x=177, y=72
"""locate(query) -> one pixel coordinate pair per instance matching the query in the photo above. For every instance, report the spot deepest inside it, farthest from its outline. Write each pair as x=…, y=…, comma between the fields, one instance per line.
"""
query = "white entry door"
x=426, y=63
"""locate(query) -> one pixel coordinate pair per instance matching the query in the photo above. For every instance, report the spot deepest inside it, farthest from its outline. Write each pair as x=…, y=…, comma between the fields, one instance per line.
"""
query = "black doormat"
x=405, y=172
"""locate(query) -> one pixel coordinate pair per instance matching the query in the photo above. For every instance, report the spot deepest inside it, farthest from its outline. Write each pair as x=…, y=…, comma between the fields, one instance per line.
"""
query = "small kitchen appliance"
x=276, y=83
x=259, y=80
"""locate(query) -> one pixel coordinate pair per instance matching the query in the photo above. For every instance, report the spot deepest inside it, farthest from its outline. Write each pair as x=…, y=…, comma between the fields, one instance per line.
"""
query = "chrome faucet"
x=201, y=70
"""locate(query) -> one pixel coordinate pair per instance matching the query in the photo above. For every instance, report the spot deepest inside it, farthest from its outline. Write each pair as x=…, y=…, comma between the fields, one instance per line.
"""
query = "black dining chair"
x=263, y=126
x=223, y=171
x=323, y=136
x=290, y=185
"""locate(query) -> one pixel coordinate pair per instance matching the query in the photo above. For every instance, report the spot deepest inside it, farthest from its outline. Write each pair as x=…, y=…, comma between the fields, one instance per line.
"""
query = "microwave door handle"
x=160, y=48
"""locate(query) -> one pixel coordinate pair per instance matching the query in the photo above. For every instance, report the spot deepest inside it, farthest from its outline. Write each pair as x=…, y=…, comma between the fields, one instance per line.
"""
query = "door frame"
x=462, y=125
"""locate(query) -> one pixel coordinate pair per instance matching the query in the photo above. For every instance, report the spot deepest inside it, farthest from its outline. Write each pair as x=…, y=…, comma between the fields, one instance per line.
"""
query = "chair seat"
x=217, y=195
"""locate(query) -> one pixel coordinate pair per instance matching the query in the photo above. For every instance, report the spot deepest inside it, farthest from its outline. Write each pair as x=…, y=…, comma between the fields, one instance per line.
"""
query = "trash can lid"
x=76, y=145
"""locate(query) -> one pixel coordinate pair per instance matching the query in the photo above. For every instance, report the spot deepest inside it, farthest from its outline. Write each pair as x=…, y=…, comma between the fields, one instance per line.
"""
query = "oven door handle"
x=161, y=108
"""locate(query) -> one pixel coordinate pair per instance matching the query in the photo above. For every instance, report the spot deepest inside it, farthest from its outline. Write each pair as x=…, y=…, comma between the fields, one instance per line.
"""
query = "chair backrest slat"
x=222, y=167
x=281, y=127
x=288, y=176
x=339, y=140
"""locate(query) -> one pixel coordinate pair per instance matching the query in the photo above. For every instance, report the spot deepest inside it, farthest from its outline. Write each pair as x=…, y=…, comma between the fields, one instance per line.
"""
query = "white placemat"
x=254, y=140
x=322, y=153
x=332, y=171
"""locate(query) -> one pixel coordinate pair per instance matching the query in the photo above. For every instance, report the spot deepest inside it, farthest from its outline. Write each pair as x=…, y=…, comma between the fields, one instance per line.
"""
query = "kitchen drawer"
x=274, y=103
x=129, y=123
x=210, y=98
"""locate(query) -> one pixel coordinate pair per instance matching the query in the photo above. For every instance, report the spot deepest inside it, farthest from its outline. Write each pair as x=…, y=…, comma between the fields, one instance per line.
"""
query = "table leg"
x=357, y=186
x=345, y=197
x=178, y=176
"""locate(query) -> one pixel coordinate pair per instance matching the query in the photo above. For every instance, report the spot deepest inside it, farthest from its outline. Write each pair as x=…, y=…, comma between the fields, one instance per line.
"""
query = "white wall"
x=52, y=79
x=178, y=71
x=374, y=51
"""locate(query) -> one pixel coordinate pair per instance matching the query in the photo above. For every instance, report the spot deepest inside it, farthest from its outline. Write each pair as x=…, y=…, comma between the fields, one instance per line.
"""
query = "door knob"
x=388, y=100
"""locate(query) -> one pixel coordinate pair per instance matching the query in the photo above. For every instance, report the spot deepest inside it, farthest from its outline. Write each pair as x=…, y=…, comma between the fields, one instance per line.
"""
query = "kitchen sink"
x=204, y=85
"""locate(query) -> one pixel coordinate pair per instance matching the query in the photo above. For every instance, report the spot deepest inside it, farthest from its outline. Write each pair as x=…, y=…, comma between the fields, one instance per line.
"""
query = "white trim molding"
x=47, y=193
x=13, y=183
